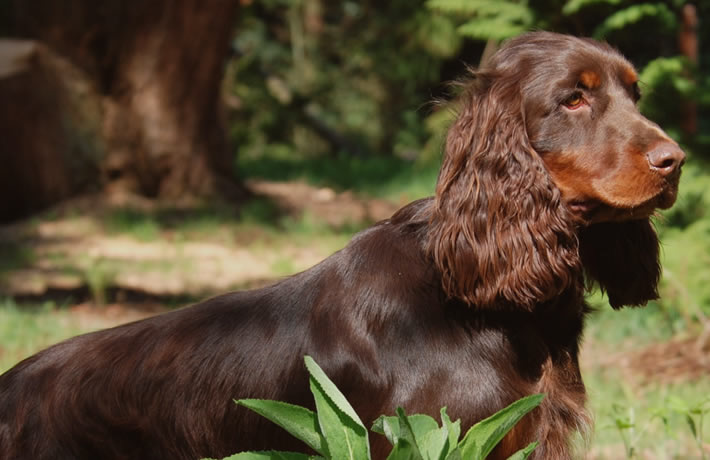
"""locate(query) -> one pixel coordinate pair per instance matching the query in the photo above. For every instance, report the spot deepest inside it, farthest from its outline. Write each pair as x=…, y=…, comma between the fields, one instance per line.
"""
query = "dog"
x=470, y=299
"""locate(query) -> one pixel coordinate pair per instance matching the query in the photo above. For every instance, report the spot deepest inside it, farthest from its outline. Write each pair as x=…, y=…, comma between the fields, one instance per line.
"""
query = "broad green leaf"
x=388, y=426
x=524, y=453
x=297, y=420
x=403, y=450
x=420, y=424
x=453, y=428
x=329, y=389
x=344, y=437
x=406, y=433
x=486, y=434
x=430, y=440
x=434, y=445
x=270, y=455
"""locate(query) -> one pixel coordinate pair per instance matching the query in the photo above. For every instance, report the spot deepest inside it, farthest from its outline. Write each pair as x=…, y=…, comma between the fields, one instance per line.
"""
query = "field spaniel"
x=470, y=299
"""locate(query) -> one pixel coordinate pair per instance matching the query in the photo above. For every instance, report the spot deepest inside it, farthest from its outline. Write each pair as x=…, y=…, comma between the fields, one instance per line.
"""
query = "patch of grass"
x=140, y=225
x=380, y=176
x=283, y=266
x=634, y=421
x=27, y=329
x=648, y=422
x=259, y=211
x=100, y=277
x=653, y=323
x=148, y=226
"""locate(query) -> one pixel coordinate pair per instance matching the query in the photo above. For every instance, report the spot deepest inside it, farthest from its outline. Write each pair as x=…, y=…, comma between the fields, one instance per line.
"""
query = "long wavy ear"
x=622, y=257
x=499, y=232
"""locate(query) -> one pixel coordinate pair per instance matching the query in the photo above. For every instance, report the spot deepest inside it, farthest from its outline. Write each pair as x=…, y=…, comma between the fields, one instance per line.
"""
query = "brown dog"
x=470, y=299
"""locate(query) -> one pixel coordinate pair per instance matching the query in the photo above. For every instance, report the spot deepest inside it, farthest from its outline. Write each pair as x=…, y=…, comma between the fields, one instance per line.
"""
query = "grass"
x=27, y=329
x=378, y=176
x=636, y=419
x=647, y=422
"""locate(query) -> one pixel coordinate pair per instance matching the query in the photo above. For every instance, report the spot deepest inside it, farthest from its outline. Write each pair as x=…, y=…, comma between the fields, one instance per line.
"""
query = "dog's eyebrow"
x=628, y=76
x=589, y=79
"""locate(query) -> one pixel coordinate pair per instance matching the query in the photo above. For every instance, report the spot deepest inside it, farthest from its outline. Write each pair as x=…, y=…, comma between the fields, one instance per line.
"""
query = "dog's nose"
x=666, y=158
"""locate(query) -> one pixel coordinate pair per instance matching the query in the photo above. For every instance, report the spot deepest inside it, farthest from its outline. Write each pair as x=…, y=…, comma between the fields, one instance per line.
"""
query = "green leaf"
x=403, y=450
x=691, y=424
x=427, y=439
x=406, y=434
x=269, y=455
x=388, y=426
x=345, y=438
x=420, y=424
x=344, y=433
x=453, y=428
x=331, y=391
x=634, y=14
x=486, y=434
x=491, y=28
x=524, y=453
x=489, y=19
x=434, y=445
x=573, y=6
x=297, y=420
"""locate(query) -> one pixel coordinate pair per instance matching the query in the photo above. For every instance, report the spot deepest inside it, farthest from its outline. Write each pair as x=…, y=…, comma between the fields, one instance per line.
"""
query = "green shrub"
x=335, y=431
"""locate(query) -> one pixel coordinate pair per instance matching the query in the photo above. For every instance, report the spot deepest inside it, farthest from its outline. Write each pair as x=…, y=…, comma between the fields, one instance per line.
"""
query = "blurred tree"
x=156, y=68
x=312, y=77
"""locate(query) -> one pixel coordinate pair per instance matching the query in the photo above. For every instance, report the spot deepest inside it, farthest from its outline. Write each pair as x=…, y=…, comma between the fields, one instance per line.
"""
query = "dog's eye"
x=574, y=101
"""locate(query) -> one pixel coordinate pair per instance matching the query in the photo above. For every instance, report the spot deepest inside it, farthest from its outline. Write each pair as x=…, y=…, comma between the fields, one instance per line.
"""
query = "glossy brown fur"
x=470, y=299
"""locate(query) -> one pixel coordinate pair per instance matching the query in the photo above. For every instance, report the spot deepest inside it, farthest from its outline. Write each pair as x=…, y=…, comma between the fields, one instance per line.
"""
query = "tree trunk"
x=688, y=45
x=51, y=143
x=157, y=67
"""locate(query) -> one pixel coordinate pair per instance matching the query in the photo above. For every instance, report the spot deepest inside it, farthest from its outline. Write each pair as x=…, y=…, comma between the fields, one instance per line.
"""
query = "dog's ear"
x=499, y=233
x=622, y=257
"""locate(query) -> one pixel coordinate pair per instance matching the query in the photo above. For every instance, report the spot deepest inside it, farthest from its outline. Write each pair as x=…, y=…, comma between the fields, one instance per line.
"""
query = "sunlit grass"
x=27, y=329
x=651, y=421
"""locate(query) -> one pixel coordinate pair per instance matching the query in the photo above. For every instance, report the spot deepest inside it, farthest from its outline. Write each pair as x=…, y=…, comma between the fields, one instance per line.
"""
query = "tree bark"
x=688, y=45
x=51, y=139
x=157, y=67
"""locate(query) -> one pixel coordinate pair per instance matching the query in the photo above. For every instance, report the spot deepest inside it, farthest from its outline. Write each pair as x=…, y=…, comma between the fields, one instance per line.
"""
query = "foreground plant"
x=336, y=432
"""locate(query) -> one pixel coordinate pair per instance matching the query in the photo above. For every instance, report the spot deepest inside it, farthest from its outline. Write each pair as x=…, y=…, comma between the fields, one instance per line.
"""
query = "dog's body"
x=469, y=300
x=181, y=370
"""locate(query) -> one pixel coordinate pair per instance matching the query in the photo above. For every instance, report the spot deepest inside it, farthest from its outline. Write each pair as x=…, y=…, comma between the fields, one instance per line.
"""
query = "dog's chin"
x=594, y=211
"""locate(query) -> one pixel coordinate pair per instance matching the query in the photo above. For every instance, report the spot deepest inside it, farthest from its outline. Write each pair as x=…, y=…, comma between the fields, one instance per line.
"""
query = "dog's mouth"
x=591, y=211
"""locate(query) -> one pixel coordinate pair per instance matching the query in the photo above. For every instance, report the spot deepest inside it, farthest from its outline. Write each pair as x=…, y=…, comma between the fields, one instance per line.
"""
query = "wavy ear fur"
x=622, y=257
x=499, y=233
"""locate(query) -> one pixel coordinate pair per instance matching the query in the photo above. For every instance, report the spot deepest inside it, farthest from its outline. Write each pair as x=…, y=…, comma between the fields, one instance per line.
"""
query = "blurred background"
x=156, y=153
